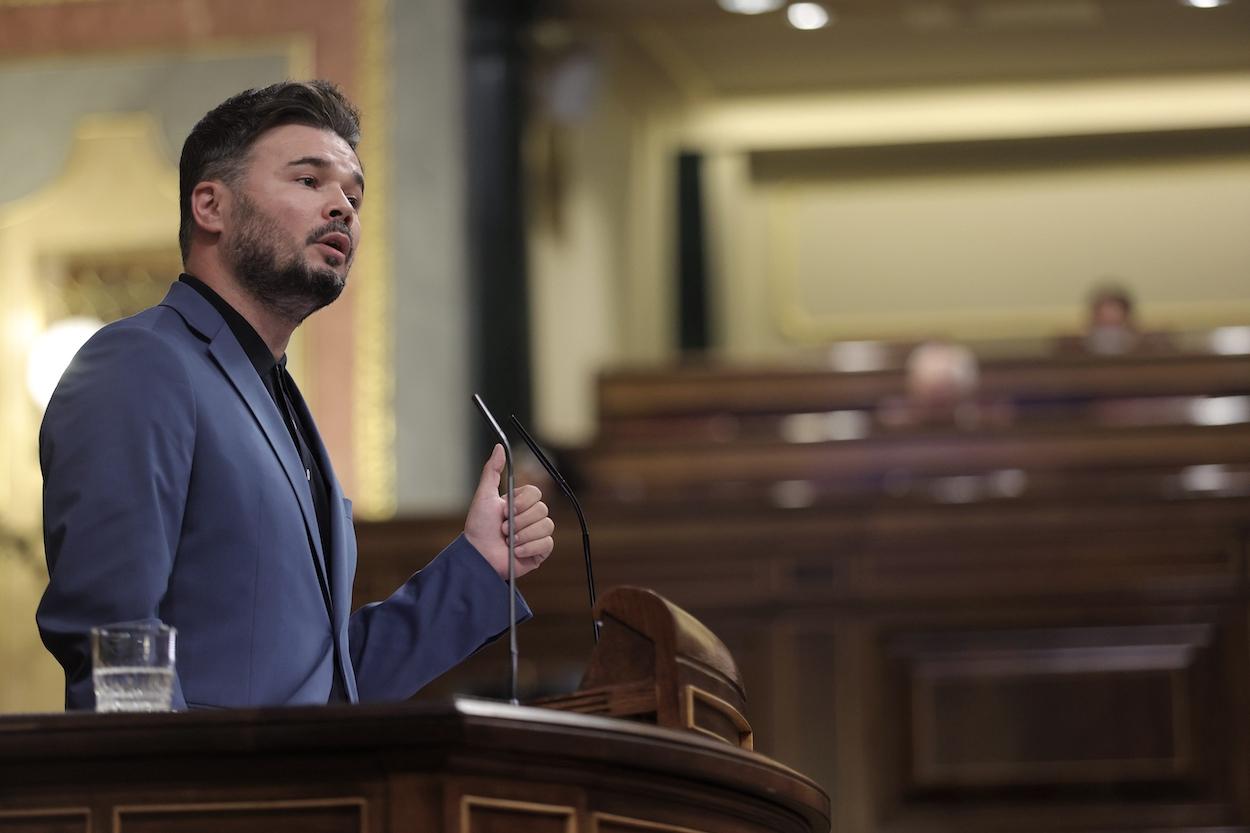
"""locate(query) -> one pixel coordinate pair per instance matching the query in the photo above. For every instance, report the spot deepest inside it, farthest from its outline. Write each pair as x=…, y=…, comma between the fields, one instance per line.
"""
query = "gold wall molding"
x=374, y=411
x=967, y=113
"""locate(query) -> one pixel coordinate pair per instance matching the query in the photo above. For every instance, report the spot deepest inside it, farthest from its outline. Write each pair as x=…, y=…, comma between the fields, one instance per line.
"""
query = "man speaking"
x=184, y=478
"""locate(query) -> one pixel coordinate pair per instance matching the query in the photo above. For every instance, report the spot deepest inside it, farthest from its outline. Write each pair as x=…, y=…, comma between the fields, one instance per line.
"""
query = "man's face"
x=294, y=223
x=1110, y=313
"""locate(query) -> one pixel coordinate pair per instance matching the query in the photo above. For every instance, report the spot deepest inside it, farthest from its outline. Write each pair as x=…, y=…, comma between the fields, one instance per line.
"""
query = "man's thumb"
x=491, y=472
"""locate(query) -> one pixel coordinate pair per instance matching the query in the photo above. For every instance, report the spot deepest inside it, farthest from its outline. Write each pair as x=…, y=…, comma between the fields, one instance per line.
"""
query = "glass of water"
x=132, y=667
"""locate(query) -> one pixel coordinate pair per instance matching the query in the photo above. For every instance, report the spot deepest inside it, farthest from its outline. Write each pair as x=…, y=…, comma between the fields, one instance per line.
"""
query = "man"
x=1111, y=328
x=184, y=478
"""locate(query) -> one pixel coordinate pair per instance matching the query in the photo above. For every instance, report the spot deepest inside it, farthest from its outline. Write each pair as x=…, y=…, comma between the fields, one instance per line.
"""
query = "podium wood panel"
x=312, y=816
x=68, y=820
x=464, y=767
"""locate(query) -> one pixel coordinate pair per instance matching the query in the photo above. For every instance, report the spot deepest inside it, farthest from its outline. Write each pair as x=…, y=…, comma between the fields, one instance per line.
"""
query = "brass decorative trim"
x=637, y=824
x=49, y=813
x=692, y=693
x=229, y=806
x=373, y=418
x=468, y=802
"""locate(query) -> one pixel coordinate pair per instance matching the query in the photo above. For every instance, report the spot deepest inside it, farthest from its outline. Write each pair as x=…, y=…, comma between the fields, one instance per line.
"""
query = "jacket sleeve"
x=441, y=615
x=115, y=448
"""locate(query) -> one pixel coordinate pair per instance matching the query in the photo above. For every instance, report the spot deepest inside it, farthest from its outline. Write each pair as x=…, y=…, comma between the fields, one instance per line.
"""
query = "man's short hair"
x=1111, y=293
x=219, y=143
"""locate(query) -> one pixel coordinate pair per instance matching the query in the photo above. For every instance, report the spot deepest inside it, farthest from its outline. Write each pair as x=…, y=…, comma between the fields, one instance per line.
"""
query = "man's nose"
x=340, y=208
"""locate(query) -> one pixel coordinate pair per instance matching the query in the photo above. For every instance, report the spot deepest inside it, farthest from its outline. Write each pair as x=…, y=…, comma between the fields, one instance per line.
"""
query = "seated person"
x=941, y=389
x=1110, y=328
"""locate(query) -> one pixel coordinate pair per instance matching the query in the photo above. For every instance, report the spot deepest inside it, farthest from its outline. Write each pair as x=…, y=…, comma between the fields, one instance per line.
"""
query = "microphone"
x=507, y=452
x=577, y=507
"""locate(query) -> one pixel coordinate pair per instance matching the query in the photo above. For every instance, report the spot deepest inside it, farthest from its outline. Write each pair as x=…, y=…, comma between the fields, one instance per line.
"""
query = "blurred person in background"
x=1110, y=327
x=941, y=388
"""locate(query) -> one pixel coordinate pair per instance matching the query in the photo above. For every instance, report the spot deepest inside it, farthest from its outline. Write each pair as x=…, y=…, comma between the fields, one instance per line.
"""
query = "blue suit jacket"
x=173, y=491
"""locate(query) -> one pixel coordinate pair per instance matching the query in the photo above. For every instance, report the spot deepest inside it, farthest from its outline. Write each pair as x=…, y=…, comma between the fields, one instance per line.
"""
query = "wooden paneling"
x=1076, y=705
x=605, y=823
x=1051, y=716
x=479, y=814
x=321, y=816
x=961, y=660
x=53, y=820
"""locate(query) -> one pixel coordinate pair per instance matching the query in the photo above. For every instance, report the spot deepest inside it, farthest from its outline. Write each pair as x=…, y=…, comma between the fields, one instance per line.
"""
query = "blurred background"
x=904, y=342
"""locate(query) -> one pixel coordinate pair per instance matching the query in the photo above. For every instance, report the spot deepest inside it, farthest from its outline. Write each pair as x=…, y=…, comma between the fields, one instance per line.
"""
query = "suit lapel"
x=234, y=363
x=340, y=570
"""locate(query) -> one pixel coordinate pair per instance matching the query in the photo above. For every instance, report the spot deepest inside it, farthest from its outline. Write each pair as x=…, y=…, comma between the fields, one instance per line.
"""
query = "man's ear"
x=209, y=204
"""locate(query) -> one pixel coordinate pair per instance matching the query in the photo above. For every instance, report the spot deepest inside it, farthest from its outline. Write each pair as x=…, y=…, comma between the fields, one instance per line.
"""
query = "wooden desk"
x=875, y=465
x=464, y=767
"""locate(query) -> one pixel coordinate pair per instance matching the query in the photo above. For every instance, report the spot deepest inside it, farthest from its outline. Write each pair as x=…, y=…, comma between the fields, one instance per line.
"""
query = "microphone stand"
x=507, y=451
x=577, y=507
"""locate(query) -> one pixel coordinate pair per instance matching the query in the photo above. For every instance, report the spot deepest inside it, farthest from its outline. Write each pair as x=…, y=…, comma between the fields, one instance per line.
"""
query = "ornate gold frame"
x=372, y=392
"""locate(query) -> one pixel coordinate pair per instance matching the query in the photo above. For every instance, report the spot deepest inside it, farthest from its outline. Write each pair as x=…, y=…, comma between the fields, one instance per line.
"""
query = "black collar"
x=251, y=342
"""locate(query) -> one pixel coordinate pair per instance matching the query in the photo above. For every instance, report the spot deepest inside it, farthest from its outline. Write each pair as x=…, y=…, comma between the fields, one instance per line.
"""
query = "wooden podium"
x=657, y=664
x=470, y=766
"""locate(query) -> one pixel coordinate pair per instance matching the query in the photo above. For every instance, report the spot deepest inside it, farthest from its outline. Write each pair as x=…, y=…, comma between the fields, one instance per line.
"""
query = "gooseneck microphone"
x=577, y=507
x=507, y=452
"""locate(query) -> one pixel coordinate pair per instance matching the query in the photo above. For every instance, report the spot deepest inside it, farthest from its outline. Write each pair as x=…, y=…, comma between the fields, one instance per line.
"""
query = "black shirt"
x=282, y=390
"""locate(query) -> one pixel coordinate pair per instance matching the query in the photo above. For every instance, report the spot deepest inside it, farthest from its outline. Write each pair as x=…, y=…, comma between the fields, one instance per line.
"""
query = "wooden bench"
x=702, y=390
x=881, y=466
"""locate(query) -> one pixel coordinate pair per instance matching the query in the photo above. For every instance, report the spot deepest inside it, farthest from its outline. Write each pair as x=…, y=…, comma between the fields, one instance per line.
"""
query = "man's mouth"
x=341, y=243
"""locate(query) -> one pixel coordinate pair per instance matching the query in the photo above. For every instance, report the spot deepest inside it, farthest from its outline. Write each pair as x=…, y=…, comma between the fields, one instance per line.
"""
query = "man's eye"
x=310, y=181
x=355, y=201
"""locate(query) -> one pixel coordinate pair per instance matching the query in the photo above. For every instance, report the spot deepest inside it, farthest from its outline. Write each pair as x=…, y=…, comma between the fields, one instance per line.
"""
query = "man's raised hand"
x=486, y=527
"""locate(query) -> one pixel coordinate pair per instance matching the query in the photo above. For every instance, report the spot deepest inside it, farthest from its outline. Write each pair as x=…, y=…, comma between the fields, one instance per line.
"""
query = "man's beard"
x=289, y=288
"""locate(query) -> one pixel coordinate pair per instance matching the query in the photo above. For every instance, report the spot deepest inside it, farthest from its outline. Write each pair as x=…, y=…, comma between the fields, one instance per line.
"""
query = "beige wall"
x=434, y=415
x=599, y=243
x=973, y=211
x=977, y=254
